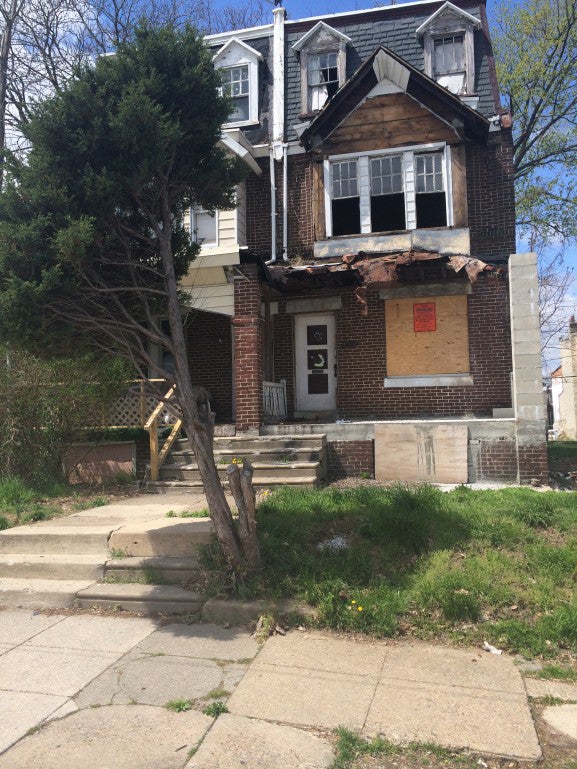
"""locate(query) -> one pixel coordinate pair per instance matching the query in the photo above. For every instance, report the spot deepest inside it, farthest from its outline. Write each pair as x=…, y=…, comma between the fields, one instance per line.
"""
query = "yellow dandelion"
x=353, y=601
x=359, y=608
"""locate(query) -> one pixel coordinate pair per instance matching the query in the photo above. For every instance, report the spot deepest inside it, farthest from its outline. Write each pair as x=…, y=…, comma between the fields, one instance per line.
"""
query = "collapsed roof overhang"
x=374, y=271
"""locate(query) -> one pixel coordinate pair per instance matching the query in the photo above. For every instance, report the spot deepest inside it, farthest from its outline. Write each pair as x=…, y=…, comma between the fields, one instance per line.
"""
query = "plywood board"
x=444, y=350
x=423, y=452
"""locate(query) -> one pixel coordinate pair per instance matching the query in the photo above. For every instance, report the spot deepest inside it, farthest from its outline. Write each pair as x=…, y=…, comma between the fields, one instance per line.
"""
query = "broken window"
x=387, y=194
x=388, y=191
x=323, y=79
x=449, y=64
x=430, y=198
x=346, y=215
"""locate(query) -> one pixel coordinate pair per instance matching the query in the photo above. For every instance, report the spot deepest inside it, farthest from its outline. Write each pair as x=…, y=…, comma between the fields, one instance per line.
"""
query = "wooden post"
x=154, y=466
x=142, y=403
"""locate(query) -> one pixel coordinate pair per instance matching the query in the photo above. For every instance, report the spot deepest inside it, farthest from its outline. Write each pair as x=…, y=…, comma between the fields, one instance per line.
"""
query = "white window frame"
x=318, y=40
x=409, y=171
x=193, y=213
x=237, y=53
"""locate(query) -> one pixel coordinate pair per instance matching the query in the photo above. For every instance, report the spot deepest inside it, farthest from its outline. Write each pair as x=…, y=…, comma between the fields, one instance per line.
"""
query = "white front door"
x=316, y=369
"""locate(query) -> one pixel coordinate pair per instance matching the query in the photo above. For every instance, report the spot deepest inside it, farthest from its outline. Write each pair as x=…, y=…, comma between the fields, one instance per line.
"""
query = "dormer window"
x=235, y=84
x=449, y=65
x=323, y=78
x=238, y=64
x=322, y=52
x=449, y=46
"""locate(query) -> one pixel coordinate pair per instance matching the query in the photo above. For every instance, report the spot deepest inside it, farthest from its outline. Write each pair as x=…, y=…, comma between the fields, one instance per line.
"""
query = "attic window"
x=239, y=66
x=448, y=37
x=449, y=62
x=323, y=78
x=322, y=53
x=235, y=84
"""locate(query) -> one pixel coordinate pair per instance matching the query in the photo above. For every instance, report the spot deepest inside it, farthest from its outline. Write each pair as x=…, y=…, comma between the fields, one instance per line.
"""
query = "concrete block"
x=104, y=634
x=316, y=651
x=22, y=711
x=61, y=672
x=435, y=453
x=18, y=626
x=473, y=719
x=122, y=736
x=563, y=718
x=235, y=742
x=538, y=688
x=201, y=640
x=303, y=697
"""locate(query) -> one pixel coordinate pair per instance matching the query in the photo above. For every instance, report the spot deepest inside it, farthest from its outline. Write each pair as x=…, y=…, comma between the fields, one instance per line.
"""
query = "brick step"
x=40, y=593
x=46, y=566
x=263, y=471
x=85, y=540
x=150, y=599
x=154, y=569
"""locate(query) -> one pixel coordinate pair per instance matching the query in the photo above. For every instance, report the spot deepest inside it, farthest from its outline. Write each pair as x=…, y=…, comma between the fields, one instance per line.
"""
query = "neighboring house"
x=564, y=387
x=365, y=274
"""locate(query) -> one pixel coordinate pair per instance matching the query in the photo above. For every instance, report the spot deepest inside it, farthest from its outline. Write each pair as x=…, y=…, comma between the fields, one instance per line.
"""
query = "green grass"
x=557, y=673
x=21, y=503
x=351, y=747
x=87, y=504
x=562, y=449
x=204, y=513
x=179, y=706
x=215, y=709
x=467, y=566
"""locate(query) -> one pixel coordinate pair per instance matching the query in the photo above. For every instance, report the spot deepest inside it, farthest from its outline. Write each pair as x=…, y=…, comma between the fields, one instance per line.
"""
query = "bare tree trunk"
x=244, y=496
x=9, y=16
x=199, y=425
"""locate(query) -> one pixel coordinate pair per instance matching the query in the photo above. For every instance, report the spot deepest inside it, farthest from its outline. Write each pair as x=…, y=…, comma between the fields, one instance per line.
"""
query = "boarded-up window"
x=414, y=351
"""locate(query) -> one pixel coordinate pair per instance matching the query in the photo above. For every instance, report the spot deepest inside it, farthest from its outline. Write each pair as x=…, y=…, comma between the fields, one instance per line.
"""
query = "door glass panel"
x=316, y=335
x=318, y=384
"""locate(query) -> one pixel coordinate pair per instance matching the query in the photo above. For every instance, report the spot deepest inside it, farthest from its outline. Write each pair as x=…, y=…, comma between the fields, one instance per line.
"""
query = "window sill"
x=443, y=240
x=241, y=124
x=431, y=380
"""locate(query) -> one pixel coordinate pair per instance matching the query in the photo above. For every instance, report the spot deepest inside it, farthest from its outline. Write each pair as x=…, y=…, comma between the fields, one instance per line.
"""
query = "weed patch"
x=467, y=565
x=215, y=709
x=179, y=706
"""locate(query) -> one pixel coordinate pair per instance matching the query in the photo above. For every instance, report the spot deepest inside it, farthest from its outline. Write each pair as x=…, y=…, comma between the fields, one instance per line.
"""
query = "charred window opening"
x=345, y=198
x=430, y=198
x=387, y=194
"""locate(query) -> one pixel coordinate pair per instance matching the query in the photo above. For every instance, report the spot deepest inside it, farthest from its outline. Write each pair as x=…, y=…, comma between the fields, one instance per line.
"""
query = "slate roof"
x=391, y=26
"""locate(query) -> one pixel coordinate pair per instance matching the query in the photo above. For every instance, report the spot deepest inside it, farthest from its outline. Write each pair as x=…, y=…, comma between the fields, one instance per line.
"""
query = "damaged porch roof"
x=371, y=270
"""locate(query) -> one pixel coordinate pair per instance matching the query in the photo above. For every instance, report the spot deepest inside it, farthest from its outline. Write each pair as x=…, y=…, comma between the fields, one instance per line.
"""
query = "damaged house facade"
x=366, y=291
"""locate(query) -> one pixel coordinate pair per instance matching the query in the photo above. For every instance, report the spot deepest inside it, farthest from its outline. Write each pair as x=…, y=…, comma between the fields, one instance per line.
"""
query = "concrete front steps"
x=295, y=460
x=62, y=566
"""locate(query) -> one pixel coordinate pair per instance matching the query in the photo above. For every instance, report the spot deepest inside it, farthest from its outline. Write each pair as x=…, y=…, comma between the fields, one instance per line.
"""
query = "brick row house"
x=366, y=286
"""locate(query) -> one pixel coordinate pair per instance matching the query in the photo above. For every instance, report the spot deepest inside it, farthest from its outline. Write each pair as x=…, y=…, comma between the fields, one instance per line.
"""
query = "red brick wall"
x=248, y=334
x=350, y=458
x=496, y=460
x=361, y=355
x=491, y=196
x=533, y=463
x=209, y=343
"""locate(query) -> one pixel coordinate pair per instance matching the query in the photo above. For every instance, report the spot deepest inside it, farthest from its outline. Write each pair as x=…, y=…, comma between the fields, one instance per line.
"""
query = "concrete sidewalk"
x=93, y=690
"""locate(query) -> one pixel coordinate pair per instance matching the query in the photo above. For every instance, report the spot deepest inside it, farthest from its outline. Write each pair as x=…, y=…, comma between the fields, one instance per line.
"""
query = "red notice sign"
x=424, y=317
